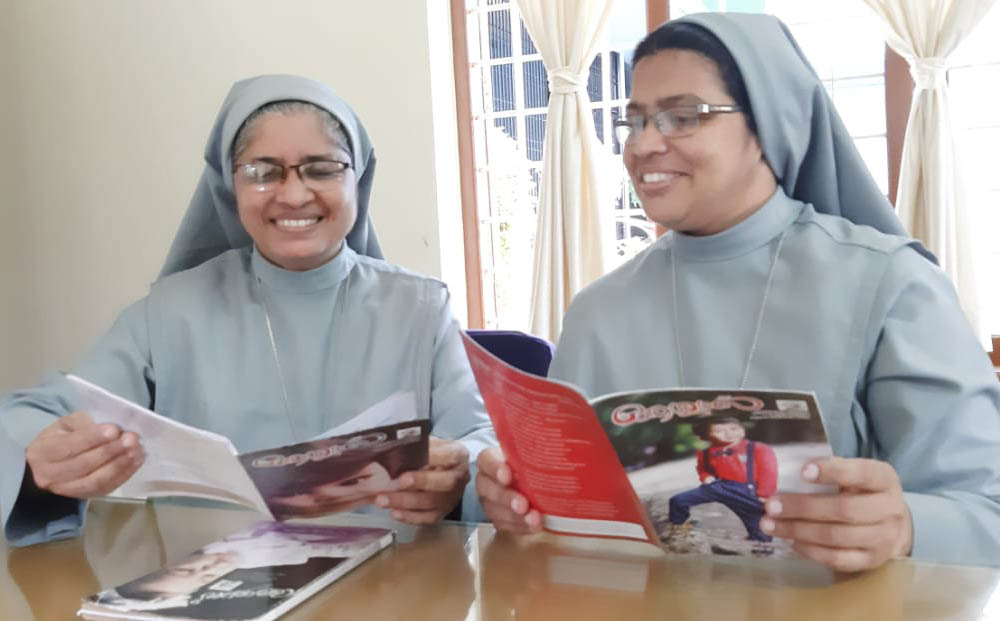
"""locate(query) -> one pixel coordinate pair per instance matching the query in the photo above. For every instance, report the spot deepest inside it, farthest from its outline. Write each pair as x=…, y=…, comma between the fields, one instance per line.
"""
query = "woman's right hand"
x=77, y=458
x=508, y=510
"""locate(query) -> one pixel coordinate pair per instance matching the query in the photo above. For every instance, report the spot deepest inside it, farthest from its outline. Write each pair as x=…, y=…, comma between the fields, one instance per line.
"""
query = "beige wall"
x=12, y=214
x=106, y=105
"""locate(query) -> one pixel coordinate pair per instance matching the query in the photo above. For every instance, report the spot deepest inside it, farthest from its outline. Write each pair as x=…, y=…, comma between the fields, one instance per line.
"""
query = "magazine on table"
x=257, y=574
x=321, y=476
x=688, y=470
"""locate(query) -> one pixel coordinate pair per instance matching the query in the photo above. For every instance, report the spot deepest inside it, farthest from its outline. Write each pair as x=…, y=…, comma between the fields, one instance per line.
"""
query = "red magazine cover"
x=686, y=469
x=558, y=452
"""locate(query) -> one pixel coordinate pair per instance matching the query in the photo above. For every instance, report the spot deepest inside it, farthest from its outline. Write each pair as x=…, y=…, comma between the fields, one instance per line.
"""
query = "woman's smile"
x=656, y=183
x=297, y=225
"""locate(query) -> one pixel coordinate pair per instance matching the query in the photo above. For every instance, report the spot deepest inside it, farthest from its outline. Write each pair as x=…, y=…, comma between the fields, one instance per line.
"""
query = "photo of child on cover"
x=704, y=466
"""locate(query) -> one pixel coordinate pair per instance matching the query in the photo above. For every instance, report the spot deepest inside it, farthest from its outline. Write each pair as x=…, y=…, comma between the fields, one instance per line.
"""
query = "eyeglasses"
x=317, y=175
x=674, y=122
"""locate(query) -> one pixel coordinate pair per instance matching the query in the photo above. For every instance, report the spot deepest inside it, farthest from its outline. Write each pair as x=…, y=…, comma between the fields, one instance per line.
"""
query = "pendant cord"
x=277, y=360
x=757, y=326
x=677, y=329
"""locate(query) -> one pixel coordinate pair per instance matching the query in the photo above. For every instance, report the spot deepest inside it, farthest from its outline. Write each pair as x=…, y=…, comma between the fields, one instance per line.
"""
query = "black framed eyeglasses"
x=267, y=176
x=675, y=121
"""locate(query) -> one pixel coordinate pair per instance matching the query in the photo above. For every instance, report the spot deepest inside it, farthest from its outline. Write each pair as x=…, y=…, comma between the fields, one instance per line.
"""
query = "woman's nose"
x=648, y=141
x=293, y=191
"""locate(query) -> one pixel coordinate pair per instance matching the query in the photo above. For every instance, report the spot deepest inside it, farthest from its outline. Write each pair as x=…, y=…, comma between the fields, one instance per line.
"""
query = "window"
x=509, y=101
x=975, y=88
x=609, y=87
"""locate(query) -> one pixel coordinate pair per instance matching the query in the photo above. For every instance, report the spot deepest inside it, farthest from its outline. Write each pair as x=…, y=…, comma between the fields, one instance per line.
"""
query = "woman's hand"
x=507, y=509
x=861, y=527
x=425, y=496
x=76, y=458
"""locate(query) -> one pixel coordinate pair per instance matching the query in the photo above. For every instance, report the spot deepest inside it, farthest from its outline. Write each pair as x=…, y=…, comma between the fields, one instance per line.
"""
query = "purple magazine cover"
x=336, y=474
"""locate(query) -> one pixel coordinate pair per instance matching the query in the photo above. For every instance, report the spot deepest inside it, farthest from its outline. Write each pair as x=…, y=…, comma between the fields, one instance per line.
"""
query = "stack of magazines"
x=257, y=574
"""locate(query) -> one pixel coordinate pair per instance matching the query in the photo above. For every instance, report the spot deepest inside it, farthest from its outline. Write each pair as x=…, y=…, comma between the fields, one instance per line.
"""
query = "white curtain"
x=931, y=200
x=570, y=242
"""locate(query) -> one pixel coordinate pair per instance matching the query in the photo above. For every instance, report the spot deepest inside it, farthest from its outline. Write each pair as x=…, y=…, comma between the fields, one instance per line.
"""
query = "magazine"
x=308, y=479
x=686, y=469
x=260, y=573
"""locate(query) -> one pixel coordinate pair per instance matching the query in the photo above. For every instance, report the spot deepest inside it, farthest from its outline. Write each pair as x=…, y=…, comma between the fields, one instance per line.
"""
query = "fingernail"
x=767, y=525
x=382, y=501
x=396, y=515
x=503, y=474
x=774, y=507
x=109, y=433
x=405, y=481
x=128, y=441
x=516, y=505
x=810, y=472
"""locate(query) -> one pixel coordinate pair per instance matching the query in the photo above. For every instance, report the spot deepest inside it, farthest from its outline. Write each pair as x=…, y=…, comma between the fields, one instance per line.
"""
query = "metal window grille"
x=509, y=104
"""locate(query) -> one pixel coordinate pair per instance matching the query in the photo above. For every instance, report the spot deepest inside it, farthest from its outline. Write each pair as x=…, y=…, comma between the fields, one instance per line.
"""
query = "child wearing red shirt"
x=739, y=473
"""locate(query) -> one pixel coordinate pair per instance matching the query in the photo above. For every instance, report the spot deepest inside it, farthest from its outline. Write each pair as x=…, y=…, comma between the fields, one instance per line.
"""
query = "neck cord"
x=760, y=313
x=274, y=351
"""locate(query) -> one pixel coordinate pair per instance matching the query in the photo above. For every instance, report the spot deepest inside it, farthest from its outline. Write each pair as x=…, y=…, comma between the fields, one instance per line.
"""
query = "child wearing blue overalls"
x=739, y=473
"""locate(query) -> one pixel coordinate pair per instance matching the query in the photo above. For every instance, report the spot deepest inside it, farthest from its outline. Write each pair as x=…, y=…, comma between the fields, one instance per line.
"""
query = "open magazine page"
x=558, y=452
x=259, y=573
x=396, y=408
x=317, y=477
x=703, y=461
x=180, y=460
x=336, y=474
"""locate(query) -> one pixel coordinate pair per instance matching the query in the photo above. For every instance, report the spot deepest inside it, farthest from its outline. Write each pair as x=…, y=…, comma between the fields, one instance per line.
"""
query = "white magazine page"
x=180, y=460
x=396, y=408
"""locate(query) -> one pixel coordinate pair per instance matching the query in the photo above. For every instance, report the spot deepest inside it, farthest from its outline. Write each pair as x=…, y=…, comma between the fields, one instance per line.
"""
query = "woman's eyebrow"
x=326, y=157
x=269, y=160
x=660, y=104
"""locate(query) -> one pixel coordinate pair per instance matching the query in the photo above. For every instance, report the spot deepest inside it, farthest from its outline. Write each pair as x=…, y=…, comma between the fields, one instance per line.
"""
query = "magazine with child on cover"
x=257, y=574
x=308, y=479
x=686, y=469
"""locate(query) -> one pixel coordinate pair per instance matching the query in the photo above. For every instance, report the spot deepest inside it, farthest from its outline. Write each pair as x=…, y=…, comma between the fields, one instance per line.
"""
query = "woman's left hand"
x=861, y=527
x=425, y=496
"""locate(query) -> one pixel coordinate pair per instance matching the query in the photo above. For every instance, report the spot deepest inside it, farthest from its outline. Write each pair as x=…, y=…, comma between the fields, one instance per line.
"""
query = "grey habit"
x=855, y=312
x=803, y=139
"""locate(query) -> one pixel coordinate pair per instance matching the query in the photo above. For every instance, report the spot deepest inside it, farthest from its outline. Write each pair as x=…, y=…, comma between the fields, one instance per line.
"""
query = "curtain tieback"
x=564, y=81
x=929, y=73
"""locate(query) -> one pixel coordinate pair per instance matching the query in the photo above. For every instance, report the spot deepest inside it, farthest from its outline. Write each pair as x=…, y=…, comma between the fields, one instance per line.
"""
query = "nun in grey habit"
x=812, y=286
x=229, y=341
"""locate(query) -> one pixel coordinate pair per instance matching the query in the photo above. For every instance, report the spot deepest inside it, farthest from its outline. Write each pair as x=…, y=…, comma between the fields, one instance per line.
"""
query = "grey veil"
x=211, y=225
x=803, y=138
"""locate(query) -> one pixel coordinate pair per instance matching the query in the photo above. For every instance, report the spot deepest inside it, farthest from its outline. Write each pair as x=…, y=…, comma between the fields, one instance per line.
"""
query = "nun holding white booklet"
x=786, y=268
x=274, y=320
